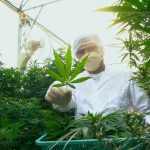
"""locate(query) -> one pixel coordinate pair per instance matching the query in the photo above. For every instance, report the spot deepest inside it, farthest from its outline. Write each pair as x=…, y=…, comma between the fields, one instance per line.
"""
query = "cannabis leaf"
x=66, y=74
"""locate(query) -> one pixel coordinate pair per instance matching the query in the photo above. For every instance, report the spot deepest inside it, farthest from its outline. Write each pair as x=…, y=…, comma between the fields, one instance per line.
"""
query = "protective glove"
x=58, y=95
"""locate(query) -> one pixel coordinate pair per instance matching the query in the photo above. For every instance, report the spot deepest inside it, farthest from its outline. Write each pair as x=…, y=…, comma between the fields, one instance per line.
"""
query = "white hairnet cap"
x=85, y=39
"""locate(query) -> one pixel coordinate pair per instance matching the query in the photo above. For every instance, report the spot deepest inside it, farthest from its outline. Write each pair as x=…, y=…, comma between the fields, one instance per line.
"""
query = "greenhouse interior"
x=75, y=75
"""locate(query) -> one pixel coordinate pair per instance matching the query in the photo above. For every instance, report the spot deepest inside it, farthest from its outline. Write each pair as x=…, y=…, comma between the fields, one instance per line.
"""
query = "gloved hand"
x=58, y=95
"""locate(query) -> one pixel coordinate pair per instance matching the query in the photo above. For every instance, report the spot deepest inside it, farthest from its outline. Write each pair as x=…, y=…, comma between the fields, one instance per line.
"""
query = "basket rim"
x=40, y=141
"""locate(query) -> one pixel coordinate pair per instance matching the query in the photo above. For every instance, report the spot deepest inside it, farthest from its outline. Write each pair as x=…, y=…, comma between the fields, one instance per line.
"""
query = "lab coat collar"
x=102, y=75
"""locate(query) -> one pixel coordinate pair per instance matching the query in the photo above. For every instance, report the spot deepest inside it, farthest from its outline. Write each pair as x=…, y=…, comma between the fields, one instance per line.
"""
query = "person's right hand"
x=58, y=95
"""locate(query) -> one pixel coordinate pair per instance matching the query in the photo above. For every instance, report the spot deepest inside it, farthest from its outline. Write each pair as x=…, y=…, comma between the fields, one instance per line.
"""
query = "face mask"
x=93, y=62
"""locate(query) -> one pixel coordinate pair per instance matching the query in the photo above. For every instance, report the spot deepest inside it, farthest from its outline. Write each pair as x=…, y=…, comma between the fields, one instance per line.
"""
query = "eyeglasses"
x=87, y=49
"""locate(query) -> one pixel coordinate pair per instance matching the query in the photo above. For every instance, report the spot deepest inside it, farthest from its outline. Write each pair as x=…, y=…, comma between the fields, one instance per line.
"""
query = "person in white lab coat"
x=107, y=89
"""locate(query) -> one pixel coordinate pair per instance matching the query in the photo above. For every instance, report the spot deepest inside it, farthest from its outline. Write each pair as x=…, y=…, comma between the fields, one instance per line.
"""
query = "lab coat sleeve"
x=23, y=59
x=71, y=105
x=139, y=99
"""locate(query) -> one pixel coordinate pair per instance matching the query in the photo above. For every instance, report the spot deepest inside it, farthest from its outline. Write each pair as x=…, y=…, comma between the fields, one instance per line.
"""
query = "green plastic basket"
x=91, y=144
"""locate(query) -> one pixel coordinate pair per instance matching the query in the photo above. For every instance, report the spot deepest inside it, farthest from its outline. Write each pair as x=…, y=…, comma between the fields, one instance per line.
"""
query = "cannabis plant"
x=10, y=82
x=133, y=17
x=131, y=48
x=118, y=130
x=92, y=126
x=66, y=74
x=134, y=14
x=22, y=121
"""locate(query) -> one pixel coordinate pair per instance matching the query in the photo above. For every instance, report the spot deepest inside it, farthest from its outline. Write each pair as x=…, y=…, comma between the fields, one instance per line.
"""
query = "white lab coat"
x=111, y=90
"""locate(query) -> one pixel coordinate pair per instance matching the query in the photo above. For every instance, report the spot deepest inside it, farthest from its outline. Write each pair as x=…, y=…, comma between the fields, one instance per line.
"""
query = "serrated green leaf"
x=135, y=56
x=123, y=29
x=118, y=9
x=54, y=75
x=58, y=85
x=71, y=85
x=68, y=61
x=59, y=65
x=79, y=80
x=125, y=55
x=139, y=27
x=79, y=68
x=136, y=3
x=123, y=19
